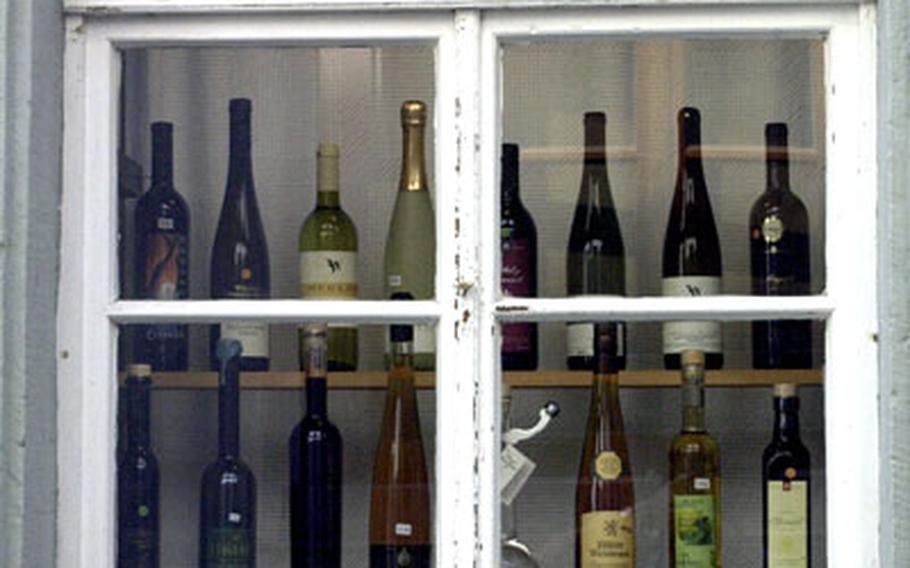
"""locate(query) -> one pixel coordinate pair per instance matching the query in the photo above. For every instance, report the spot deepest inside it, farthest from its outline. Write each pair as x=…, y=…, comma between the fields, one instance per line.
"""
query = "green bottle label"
x=229, y=548
x=695, y=531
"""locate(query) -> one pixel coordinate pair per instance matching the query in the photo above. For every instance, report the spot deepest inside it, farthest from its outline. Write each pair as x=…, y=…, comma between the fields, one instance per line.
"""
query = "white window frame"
x=468, y=307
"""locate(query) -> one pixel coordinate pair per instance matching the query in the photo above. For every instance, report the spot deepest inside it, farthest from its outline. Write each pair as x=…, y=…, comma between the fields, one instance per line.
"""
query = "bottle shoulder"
x=328, y=229
x=694, y=442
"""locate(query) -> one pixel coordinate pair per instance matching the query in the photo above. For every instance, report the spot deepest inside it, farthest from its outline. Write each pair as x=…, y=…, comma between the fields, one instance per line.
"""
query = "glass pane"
x=593, y=475
x=187, y=433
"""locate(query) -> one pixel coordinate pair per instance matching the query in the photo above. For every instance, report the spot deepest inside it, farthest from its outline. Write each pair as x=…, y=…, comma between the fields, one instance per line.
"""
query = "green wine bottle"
x=328, y=259
x=410, y=250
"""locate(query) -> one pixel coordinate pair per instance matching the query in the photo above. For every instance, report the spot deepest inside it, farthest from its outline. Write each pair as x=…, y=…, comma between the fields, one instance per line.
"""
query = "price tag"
x=516, y=469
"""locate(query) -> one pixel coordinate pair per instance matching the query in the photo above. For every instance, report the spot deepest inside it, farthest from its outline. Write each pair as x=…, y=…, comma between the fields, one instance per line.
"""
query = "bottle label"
x=229, y=548
x=780, y=260
x=400, y=556
x=138, y=547
x=515, y=470
x=516, y=282
x=580, y=339
x=328, y=275
x=608, y=466
x=252, y=335
x=695, y=531
x=788, y=524
x=699, y=335
x=165, y=278
x=608, y=539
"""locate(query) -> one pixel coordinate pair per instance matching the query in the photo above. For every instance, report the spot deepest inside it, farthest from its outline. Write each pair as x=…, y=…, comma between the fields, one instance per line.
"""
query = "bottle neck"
x=162, y=161
x=689, y=148
x=693, y=399
x=138, y=413
x=402, y=355
x=606, y=391
x=316, y=383
x=778, y=171
x=509, y=188
x=240, y=166
x=229, y=409
x=786, y=418
x=413, y=166
x=327, y=196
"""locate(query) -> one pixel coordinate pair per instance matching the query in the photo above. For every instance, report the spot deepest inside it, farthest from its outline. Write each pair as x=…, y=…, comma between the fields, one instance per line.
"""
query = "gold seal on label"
x=608, y=465
x=772, y=228
x=246, y=274
x=790, y=473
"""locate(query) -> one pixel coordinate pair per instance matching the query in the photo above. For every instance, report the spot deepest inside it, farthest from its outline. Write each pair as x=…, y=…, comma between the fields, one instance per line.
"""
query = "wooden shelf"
x=531, y=379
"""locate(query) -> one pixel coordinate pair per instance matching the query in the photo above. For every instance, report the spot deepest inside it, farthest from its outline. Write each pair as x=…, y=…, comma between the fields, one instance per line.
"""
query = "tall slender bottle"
x=162, y=256
x=518, y=239
x=691, y=258
x=779, y=235
x=138, y=481
x=695, y=511
x=316, y=463
x=240, y=255
x=604, y=495
x=410, y=249
x=786, y=488
x=400, y=502
x=328, y=259
x=227, y=507
x=596, y=263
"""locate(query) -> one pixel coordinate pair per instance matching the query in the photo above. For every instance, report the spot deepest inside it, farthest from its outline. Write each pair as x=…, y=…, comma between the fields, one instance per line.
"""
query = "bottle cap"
x=140, y=370
x=413, y=113
x=401, y=333
x=785, y=390
x=328, y=150
x=241, y=106
x=692, y=357
x=595, y=116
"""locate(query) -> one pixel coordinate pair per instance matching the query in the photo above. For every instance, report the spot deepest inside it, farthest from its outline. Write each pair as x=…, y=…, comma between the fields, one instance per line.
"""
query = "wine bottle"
x=400, y=500
x=694, y=477
x=518, y=239
x=162, y=256
x=138, y=480
x=595, y=264
x=410, y=250
x=315, y=459
x=691, y=258
x=240, y=256
x=328, y=259
x=786, y=489
x=604, y=496
x=227, y=512
x=779, y=235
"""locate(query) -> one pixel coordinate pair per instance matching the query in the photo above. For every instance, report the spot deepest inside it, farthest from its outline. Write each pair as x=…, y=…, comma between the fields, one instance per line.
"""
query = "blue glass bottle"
x=316, y=462
x=227, y=514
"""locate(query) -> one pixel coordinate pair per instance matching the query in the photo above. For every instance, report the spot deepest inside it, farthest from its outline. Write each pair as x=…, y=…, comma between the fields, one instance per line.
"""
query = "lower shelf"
x=517, y=379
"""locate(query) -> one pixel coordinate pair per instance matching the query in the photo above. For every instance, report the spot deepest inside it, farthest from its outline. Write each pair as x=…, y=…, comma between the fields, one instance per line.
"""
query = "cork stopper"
x=785, y=390
x=413, y=113
x=140, y=370
x=691, y=357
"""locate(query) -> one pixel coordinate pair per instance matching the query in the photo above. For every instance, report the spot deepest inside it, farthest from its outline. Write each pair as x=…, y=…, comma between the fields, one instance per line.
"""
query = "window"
x=491, y=76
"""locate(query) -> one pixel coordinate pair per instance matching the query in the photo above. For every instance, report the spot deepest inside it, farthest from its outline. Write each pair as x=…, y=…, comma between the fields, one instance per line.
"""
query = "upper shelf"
x=534, y=379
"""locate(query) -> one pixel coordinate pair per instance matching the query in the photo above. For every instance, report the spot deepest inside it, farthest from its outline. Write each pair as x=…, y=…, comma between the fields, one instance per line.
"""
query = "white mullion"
x=86, y=389
x=458, y=451
x=706, y=308
x=274, y=311
x=851, y=382
x=490, y=371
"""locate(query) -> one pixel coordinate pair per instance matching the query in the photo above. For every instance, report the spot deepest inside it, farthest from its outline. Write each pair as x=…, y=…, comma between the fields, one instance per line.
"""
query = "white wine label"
x=516, y=470
x=424, y=339
x=695, y=531
x=702, y=483
x=788, y=524
x=328, y=274
x=253, y=335
x=404, y=529
x=394, y=280
x=700, y=335
x=608, y=539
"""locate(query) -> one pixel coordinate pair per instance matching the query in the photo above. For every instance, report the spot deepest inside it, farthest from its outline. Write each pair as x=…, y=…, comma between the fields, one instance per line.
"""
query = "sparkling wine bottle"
x=604, y=495
x=227, y=507
x=328, y=259
x=240, y=256
x=786, y=489
x=316, y=463
x=694, y=477
x=518, y=239
x=162, y=256
x=595, y=264
x=410, y=250
x=691, y=257
x=400, y=502
x=779, y=235
x=138, y=482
